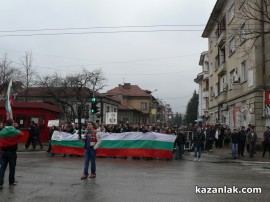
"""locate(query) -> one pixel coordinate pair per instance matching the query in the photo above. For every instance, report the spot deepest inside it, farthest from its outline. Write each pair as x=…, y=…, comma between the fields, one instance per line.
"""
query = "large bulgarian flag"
x=136, y=144
x=9, y=101
x=10, y=136
x=66, y=143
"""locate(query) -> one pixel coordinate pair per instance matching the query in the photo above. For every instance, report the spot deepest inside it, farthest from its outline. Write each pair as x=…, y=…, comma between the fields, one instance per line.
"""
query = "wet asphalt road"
x=44, y=178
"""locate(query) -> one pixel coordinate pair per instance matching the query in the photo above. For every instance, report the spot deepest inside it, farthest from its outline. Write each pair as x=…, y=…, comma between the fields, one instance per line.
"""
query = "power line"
x=108, y=62
x=106, y=32
x=151, y=74
x=108, y=27
x=99, y=27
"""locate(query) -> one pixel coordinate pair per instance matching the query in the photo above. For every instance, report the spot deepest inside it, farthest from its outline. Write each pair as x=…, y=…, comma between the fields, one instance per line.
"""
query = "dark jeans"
x=38, y=142
x=252, y=149
x=89, y=155
x=8, y=157
x=50, y=146
x=266, y=147
x=198, y=151
x=31, y=139
x=241, y=148
x=248, y=147
x=209, y=145
x=180, y=151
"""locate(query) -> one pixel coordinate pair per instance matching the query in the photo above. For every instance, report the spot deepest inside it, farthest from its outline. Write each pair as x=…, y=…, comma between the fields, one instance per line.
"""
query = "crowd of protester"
x=204, y=137
x=241, y=141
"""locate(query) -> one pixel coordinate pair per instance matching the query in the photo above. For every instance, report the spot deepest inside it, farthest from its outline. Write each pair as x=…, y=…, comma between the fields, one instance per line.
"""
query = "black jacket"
x=181, y=138
x=199, y=139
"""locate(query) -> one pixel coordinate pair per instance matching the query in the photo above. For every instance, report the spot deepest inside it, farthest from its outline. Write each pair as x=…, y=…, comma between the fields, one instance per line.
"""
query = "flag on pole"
x=9, y=101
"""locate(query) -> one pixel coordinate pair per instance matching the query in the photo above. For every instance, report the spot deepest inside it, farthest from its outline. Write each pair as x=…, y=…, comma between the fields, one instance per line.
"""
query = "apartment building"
x=239, y=68
x=203, y=80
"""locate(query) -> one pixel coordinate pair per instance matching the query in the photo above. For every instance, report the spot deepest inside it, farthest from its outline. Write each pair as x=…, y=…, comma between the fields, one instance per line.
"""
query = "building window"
x=222, y=26
x=21, y=120
x=216, y=88
x=231, y=13
x=232, y=73
x=114, y=109
x=144, y=106
x=207, y=102
x=211, y=68
x=243, y=71
x=222, y=83
x=222, y=58
x=206, y=67
x=212, y=93
x=242, y=32
x=108, y=109
x=216, y=62
x=232, y=45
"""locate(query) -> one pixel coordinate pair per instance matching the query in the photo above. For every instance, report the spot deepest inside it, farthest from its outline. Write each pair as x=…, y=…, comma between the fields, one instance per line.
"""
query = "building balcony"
x=222, y=97
x=221, y=39
x=205, y=94
x=222, y=69
x=205, y=75
x=202, y=76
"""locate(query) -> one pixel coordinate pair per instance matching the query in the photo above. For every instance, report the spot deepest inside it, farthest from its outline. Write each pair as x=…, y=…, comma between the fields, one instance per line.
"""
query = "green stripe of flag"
x=73, y=143
x=138, y=144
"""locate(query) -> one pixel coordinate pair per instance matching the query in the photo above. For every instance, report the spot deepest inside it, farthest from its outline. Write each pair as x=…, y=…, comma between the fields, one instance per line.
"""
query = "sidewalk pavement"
x=30, y=149
x=220, y=152
x=227, y=154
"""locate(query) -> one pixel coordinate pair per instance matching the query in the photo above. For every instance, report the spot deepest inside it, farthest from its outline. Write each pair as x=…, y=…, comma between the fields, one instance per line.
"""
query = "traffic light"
x=94, y=107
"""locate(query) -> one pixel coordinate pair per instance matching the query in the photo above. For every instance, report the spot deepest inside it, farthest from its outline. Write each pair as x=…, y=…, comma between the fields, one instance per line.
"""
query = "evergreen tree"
x=192, y=109
x=180, y=120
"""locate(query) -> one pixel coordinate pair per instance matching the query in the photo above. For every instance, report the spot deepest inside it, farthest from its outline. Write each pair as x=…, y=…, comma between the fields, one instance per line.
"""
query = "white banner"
x=111, y=117
x=53, y=123
x=59, y=135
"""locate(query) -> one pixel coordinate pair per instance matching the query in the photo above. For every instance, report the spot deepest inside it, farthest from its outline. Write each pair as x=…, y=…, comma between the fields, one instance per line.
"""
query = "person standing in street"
x=9, y=156
x=91, y=144
x=31, y=137
x=247, y=131
x=251, y=140
x=198, y=142
x=242, y=142
x=180, y=142
x=37, y=135
x=234, y=143
x=266, y=141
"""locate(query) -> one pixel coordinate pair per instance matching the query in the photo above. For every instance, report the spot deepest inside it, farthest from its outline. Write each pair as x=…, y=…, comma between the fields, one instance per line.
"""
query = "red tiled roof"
x=128, y=90
x=33, y=105
x=46, y=92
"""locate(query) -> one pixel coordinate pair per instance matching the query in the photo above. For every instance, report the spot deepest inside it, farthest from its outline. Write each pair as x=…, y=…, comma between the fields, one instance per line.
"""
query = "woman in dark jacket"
x=199, y=139
x=180, y=144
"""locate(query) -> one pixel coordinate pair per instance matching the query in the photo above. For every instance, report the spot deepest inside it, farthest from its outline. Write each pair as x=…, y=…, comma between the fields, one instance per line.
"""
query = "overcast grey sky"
x=162, y=60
